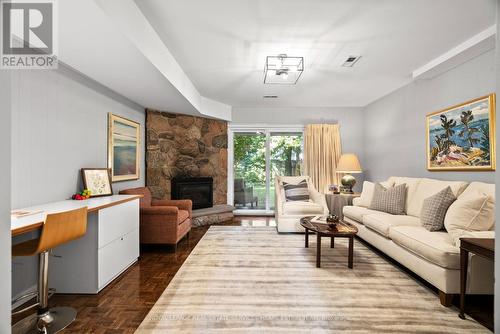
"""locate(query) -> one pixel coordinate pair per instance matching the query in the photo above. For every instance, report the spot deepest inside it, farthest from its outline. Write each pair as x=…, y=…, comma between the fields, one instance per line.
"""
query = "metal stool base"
x=62, y=317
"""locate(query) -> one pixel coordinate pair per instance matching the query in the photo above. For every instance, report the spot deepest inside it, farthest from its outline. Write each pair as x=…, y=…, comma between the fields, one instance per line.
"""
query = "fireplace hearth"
x=198, y=189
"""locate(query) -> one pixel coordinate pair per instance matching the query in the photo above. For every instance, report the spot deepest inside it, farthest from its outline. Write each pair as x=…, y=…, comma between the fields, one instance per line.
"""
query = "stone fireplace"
x=181, y=146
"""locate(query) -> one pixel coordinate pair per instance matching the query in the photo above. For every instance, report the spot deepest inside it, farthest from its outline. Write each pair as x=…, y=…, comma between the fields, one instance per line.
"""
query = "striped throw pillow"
x=296, y=192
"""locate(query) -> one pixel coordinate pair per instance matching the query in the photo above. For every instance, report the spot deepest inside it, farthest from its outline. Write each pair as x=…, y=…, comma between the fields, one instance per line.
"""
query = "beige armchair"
x=288, y=214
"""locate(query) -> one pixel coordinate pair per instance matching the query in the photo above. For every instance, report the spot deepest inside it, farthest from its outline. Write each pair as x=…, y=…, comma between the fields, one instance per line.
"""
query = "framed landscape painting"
x=123, y=148
x=462, y=137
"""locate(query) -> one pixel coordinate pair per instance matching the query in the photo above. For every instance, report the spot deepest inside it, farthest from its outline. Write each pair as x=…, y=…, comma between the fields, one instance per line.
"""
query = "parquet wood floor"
x=122, y=306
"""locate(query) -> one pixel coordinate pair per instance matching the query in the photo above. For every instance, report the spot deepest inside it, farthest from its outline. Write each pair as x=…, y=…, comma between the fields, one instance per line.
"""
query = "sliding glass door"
x=250, y=170
x=285, y=158
x=258, y=156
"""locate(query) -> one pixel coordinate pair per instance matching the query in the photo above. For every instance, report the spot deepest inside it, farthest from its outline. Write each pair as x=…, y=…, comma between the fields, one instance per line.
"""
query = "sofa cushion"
x=486, y=188
x=391, y=200
x=365, y=199
x=436, y=247
x=411, y=188
x=296, y=192
x=470, y=212
x=301, y=208
x=383, y=222
x=434, y=209
x=357, y=212
x=428, y=187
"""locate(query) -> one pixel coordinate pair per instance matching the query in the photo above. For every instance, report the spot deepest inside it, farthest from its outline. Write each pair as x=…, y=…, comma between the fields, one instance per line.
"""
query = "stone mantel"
x=181, y=145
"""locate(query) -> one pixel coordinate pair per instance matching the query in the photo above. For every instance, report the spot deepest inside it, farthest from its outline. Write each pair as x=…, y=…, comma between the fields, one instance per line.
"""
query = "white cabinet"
x=117, y=256
x=109, y=247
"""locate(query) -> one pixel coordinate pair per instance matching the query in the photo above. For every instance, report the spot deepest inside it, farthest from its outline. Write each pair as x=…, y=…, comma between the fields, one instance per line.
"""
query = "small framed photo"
x=334, y=188
x=98, y=181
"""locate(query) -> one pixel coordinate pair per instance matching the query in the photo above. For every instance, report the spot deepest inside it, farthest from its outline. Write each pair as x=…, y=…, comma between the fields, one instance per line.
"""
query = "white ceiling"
x=221, y=44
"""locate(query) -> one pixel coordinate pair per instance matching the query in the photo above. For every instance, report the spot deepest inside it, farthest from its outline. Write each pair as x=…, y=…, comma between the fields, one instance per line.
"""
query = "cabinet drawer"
x=117, y=256
x=117, y=221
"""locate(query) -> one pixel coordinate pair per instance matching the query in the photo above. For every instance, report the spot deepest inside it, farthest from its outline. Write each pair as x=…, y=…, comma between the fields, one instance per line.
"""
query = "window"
x=258, y=156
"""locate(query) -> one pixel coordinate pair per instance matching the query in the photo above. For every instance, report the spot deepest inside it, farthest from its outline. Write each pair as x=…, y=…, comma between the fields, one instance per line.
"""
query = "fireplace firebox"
x=198, y=189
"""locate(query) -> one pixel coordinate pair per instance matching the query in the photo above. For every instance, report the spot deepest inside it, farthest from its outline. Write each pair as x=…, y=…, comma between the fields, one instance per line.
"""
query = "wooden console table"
x=481, y=247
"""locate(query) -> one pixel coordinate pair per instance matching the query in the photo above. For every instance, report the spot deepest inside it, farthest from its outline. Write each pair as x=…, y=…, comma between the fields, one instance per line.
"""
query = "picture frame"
x=97, y=181
x=124, y=146
x=462, y=137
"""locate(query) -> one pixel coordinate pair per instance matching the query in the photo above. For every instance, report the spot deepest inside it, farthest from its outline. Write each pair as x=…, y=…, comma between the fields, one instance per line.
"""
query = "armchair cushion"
x=160, y=210
x=182, y=204
x=302, y=208
x=182, y=216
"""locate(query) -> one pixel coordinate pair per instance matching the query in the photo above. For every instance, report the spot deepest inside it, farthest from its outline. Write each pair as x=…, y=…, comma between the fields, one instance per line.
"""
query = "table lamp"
x=348, y=164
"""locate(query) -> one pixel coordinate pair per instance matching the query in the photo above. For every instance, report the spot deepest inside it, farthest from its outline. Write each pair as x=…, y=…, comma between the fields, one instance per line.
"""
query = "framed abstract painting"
x=123, y=148
x=462, y=137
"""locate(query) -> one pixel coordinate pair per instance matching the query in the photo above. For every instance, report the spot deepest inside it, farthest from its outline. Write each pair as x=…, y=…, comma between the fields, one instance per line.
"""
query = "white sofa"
x=434, y=256
x=288, y=214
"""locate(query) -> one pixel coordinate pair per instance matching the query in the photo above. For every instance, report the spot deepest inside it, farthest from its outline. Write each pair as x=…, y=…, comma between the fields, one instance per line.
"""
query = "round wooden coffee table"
x=342, y=230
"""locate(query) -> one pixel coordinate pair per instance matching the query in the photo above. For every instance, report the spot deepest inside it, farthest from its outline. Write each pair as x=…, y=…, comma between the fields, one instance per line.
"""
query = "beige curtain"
x=322, y=150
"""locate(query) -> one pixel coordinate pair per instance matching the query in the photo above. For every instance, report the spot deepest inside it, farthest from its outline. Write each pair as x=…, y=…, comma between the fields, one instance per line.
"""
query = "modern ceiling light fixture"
x=283, y=70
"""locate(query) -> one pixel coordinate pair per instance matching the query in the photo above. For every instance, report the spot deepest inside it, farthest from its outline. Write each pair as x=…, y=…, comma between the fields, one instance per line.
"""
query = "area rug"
x=254, y=280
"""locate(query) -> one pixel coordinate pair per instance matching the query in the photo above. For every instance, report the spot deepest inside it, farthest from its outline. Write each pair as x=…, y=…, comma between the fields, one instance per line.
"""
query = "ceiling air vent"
x=270, y=96
x=350, y=61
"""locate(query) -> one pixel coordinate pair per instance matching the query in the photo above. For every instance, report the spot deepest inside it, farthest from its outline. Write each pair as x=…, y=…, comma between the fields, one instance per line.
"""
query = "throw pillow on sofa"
x=434, y=209
x=296, y=192
x=474, y=211
x=391, y=200
x=365, y=199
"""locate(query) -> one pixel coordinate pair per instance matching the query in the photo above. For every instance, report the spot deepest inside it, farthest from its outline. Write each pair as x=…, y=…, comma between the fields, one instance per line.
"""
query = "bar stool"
x=58, y=228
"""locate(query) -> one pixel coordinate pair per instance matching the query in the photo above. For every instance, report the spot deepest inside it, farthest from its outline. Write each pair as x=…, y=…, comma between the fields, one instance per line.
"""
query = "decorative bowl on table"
x=332, y=220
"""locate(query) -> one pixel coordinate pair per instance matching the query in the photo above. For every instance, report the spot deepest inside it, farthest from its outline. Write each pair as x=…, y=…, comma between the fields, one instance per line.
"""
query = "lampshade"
x=349, y=163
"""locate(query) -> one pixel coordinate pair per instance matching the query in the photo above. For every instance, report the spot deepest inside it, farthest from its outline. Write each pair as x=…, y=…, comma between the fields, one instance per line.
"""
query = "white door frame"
x=267, y=129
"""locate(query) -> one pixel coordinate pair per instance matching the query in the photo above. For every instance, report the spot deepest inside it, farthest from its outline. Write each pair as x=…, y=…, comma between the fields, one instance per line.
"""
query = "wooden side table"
x=478, y=246
x=336, y=202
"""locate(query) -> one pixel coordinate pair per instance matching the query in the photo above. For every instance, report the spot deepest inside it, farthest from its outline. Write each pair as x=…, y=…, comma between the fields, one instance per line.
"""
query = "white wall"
x=5, y=239
x=59, y=125
x=394, y=126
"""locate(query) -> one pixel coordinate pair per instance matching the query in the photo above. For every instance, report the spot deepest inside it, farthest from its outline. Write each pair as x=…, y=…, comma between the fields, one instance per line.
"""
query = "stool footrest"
x=30, y=295
x=25, y=296
x=26, y=308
